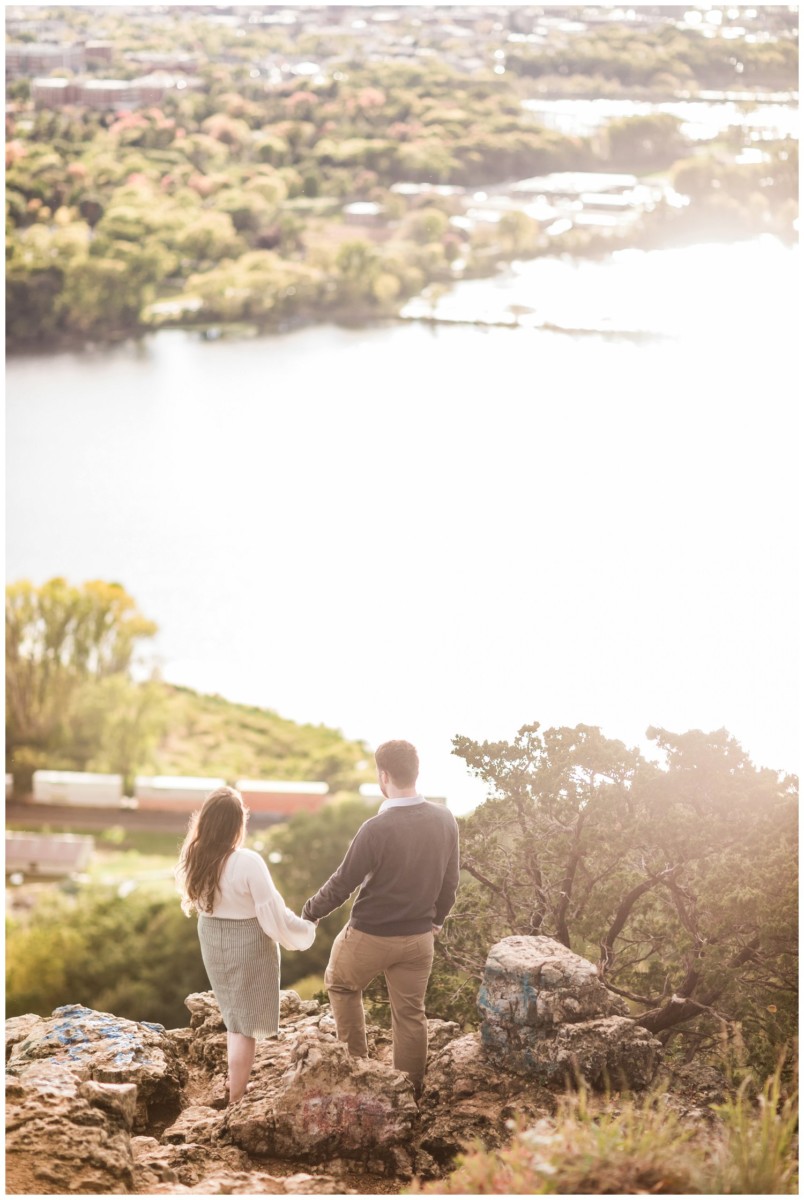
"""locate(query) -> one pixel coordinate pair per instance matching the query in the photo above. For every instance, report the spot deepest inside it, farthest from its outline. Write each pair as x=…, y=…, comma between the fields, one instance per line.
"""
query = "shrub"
x=626, y=1147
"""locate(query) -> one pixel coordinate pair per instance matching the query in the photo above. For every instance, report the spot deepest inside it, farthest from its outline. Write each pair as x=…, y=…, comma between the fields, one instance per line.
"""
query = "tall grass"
x=758, y=1154
x=627, y=1147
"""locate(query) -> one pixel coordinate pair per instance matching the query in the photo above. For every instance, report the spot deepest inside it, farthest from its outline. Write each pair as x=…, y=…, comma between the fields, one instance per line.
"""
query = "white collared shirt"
x=400, y=802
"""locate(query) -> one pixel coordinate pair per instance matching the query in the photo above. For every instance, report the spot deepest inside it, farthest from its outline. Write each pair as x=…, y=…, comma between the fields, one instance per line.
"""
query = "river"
x=759, y=117
x=419, y=531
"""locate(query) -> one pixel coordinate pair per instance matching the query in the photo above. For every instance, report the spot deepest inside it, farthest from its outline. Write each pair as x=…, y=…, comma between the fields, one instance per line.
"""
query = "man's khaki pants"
x=354, y=960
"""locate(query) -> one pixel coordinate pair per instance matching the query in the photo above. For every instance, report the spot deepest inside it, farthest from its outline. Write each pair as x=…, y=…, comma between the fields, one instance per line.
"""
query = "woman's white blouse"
x=247, y=890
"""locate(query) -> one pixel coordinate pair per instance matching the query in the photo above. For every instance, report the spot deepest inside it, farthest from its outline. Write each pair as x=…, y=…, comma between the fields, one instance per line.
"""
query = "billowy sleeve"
x=274, y=916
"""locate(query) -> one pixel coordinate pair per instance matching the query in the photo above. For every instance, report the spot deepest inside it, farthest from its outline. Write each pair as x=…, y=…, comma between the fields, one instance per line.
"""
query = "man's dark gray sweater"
x=407, y=861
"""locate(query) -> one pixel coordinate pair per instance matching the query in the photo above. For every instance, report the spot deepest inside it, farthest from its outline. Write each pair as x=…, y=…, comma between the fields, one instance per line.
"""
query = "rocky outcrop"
x=101, y=1105
x=99, y=1046
x=467, y=1097
x=65, y=1135
x=547, y=1015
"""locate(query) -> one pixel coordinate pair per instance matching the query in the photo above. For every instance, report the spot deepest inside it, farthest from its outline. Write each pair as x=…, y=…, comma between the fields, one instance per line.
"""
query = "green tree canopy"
x=678, y=879
x=62, y=641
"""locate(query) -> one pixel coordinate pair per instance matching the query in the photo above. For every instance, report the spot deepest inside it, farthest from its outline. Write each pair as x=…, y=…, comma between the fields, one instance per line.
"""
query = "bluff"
x=98, y=1104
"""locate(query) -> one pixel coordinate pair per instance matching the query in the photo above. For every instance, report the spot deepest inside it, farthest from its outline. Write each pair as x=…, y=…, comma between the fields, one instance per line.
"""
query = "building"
x=364, y=212
x=164, y=61
x=116, y=94
x=25, y=59
x=54, y=93
x=98, y=52
x=54, y=856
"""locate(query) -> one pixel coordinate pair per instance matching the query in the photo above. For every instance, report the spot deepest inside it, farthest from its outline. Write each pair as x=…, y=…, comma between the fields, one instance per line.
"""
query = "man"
x=407, y=861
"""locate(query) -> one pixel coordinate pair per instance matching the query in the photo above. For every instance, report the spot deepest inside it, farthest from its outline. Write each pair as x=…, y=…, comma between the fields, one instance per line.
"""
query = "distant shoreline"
x=210, y=330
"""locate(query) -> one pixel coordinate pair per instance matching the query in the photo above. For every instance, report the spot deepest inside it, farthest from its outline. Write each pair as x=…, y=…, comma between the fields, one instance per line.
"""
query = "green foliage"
x=620, y=1146
x=303, y=854
x=71, y=704
x=646, y=142
x=136, y=957
x=667, y=57
x=209, y=735
x=177, y=198
x=680, y=880
x=68, y=651
x=757, y=1157
x=258, y=286
x=211, y=237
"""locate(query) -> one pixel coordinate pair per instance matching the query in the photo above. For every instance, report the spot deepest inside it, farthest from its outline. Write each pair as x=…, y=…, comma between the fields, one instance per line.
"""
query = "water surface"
x=415, y=531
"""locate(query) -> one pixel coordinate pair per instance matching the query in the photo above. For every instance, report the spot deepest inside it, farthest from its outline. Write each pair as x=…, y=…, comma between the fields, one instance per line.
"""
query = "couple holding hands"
x=405, y=861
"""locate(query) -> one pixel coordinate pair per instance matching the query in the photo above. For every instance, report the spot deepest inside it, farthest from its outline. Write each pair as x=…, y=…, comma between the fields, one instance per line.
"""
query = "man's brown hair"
x=401, y=762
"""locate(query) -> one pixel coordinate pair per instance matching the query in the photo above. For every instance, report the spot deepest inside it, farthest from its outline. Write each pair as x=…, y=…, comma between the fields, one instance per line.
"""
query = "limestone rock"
x=196, y=1123
x=302, y=1184
x=537, y=984
x=18, y=1029
x=64, y=1136
x=325, y=1104
x=546, y=1014
x=186, y=1163
x=466, y=1096
x=292, y=1005
x=80, y=1081
x=612, y=1052
x=99, y=1046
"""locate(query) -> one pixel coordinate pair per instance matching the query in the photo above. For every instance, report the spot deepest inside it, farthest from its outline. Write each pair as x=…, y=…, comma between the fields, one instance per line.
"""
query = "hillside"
x=208, y=735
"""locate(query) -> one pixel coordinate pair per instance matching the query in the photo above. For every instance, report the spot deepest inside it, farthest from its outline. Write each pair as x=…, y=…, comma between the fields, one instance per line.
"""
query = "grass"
x=758, y=1156
x=124, y=855
x=308, y=987
x=209, y=735
x=629, y=1147
x=113, y=839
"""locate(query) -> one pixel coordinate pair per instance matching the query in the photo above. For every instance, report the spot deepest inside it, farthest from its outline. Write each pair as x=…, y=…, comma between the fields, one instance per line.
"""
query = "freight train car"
x=173, y=793
x=282, y=798
x=79, y=789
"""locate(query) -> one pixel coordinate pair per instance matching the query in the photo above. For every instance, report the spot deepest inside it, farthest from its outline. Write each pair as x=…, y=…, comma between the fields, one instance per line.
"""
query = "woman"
x=241, y=918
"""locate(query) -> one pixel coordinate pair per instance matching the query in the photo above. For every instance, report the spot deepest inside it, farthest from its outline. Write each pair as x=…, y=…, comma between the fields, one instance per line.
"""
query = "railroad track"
x=84, y=819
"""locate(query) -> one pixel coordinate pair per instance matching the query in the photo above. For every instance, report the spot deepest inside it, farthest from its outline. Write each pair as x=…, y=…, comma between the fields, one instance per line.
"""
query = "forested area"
x=225, y=202
x=82, y=695
x=679, y=878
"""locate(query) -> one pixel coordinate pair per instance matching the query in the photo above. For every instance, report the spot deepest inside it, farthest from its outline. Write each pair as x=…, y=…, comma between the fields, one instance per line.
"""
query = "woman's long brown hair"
x=214, y=832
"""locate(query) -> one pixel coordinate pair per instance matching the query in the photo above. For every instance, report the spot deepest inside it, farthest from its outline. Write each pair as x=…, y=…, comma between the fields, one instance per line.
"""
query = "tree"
x=62, y=640
x=210, y=237
x=426, y=225
x=137, y=957
x=303, y=855
x=114, y=725
x=678, y=879
x=654, y=140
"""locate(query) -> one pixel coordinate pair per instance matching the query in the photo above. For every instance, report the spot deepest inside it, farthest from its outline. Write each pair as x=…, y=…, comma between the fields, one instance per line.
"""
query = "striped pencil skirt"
x=242, y=964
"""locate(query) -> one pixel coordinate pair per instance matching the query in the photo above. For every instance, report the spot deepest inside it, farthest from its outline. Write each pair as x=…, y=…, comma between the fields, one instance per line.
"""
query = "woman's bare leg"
x=241, y=1059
